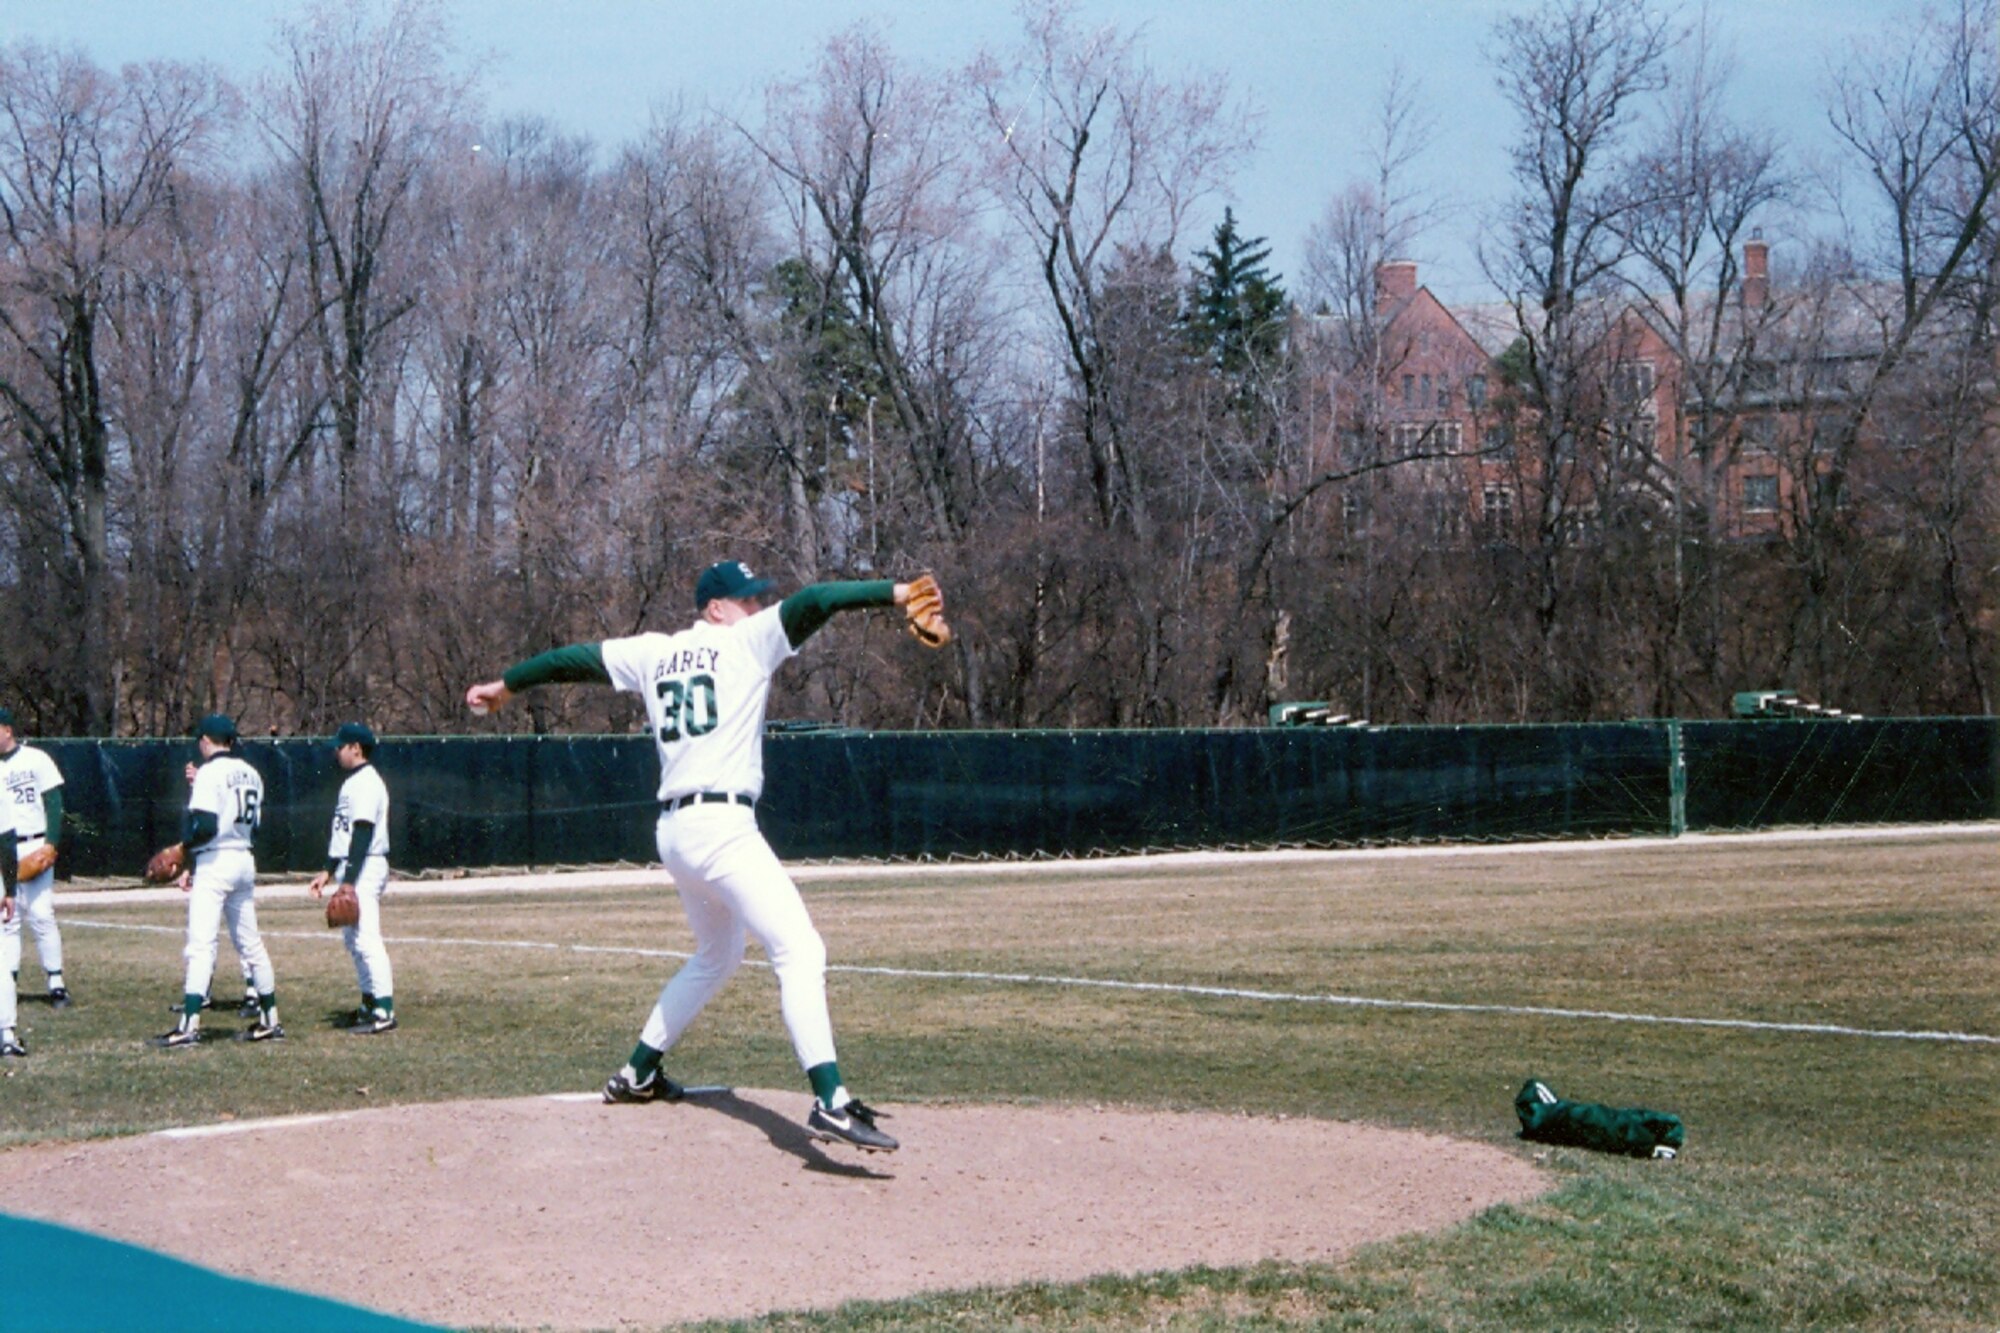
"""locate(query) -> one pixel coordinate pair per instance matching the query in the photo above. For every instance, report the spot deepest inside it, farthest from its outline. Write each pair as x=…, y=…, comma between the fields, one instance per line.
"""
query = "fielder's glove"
x=167, y=864
x=343, y=908
x=35, y=862
x=924, y=611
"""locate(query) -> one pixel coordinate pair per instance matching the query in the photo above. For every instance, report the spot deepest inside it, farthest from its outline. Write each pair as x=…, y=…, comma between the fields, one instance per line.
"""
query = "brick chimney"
x=1756, y=271
x=1395, y=283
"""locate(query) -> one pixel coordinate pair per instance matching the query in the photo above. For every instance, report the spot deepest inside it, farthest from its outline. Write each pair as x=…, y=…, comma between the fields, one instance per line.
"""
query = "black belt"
x=708, y=798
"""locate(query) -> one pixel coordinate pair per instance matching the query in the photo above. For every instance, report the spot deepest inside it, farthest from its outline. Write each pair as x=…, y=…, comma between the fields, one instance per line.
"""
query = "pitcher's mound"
x=568, y=1213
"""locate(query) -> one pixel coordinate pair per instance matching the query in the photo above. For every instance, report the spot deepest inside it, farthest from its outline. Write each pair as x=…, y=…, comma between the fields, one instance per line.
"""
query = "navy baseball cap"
x=355, y=733
x=728, y=578
x=6, y=716
x=217, y=727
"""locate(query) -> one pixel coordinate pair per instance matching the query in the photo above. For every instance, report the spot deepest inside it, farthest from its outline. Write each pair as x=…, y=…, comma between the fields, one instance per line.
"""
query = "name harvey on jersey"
x=687, y=661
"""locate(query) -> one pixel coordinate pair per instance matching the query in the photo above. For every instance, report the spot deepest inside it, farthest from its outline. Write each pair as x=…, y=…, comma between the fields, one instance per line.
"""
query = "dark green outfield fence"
x=570, y=800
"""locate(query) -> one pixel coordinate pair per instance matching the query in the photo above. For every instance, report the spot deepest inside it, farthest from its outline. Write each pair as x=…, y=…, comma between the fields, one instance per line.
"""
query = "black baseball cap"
x=217, y=727
x=6, y=716
x=728, y=578
x=355, y=733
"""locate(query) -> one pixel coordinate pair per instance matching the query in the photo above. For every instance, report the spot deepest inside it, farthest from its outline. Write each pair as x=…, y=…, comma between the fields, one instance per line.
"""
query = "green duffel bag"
x=1632, y=1130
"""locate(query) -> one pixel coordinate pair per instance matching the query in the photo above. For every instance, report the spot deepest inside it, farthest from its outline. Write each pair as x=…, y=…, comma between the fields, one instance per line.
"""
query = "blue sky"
x=1313, y=68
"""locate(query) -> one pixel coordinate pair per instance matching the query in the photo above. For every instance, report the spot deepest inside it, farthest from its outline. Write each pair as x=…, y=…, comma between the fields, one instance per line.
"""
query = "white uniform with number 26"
x=29, y=775
x=225, y=873
x=364, y=799
x=705, y=690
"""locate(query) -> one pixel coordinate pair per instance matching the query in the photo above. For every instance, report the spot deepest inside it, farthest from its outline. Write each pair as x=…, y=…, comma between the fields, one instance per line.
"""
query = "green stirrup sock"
x=190, y=1005
x=826, y=1081
x=386, y=1003
x=645, y=1061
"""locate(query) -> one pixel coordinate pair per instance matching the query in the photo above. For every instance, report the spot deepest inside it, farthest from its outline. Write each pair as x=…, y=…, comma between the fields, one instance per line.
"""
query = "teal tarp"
x=59, y=1279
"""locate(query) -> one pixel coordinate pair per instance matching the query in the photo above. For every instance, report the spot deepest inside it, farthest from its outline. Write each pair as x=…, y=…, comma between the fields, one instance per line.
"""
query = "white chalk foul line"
x=221, y=1128
x=1185, y=989
x=245, y=1126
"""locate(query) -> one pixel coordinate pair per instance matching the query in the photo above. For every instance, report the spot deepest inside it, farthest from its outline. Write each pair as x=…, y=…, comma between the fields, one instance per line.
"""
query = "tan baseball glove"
x=167, y=864
x=343, y=908
x=924, y=611
x=35, y=862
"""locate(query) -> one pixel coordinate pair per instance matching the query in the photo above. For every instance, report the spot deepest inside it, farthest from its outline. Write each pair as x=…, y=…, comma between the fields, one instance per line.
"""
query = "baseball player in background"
x=249, y=1008
x=11, y=1047
x=217, y=834
x=357, y=855
x=34, y=795
x=705, y=690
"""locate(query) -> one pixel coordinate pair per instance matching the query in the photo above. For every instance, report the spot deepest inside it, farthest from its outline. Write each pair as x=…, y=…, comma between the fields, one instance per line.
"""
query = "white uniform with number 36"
x=705, y=690
x=225, y=873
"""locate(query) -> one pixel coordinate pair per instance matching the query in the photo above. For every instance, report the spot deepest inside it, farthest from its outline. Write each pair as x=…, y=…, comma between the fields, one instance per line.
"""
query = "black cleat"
x=12, y=1049
x=852, y=1124
x=178, y=1038
x=658, y=1088
x=264, y=1032
x=369, y=1022
x=59, y=998
x=248, y=1009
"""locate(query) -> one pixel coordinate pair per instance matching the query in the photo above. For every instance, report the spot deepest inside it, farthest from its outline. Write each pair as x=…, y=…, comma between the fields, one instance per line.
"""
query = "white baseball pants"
x=364, y=938
x=732, y=885
x=37, y=902
x=224, y=887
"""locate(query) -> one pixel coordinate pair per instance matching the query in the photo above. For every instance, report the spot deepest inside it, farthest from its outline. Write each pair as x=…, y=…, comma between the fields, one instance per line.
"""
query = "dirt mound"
x=565, y=1212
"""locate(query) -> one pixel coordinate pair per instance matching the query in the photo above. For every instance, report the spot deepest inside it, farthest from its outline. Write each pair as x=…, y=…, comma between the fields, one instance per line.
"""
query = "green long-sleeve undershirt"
x=801, y=614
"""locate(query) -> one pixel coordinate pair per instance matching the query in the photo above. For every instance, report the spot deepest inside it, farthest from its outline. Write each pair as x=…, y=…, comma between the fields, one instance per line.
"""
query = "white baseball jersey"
x=364, y=799
x=233, y=792
x=705, y=690
x=29, y=774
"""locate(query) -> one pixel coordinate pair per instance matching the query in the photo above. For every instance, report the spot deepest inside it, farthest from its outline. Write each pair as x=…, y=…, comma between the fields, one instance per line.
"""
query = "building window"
x=1444, y=394
x=1424, y=391
x=1409, y=391
x=1638, y=434
x=1632, y=385
x=1497, y=513
x=1352, y=511
x=1760, y=495
x=1412, y=436
x=1498, y=439
x=1475, y=391
x=1760, y=434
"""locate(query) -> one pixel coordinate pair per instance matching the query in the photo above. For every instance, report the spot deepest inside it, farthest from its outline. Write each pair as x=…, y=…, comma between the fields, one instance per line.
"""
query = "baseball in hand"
x=478, y=706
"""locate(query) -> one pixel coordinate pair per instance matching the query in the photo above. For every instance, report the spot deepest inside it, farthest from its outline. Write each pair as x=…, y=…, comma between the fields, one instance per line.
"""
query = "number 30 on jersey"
x=687, y=707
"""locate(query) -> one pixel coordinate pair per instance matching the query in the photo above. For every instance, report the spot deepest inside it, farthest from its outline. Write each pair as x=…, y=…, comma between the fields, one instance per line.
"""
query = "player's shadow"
x=785, y=1134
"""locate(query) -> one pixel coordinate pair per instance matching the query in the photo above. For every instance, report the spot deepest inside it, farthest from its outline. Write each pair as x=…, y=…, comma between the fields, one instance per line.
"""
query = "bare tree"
x=1690, y=196
x=1576, y=73
x=359, y=111
x=88, y=170
x=1091, y=150
x=1920, y=116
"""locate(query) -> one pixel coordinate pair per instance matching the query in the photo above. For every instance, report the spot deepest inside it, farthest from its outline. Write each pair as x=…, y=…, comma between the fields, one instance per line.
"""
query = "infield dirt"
x=564, y=1212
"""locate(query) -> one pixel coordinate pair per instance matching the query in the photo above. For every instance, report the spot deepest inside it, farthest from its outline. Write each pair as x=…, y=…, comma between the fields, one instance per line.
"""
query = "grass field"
x=1829, y=1180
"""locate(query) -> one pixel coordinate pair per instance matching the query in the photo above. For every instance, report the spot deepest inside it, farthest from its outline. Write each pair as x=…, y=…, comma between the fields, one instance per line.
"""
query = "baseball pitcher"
x=216, y=837
x=705, y=690
x=34, y=795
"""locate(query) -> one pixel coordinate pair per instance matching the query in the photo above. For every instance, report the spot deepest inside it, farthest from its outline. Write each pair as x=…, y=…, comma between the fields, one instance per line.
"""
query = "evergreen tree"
x=1236, y=306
